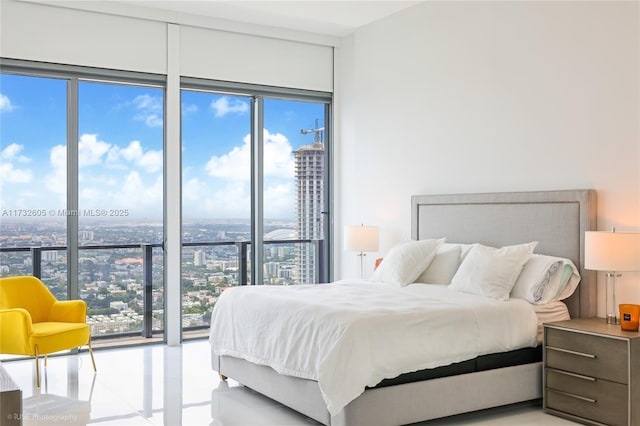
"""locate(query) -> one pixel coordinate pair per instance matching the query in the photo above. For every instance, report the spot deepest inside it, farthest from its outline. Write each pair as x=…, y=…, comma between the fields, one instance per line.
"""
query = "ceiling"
x=330, y=18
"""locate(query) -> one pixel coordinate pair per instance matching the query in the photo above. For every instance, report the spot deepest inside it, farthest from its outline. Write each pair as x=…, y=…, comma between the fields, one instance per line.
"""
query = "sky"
x=120, y=150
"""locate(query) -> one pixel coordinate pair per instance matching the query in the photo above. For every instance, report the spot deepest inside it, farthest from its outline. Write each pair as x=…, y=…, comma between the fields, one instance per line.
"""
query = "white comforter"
x=349, y=335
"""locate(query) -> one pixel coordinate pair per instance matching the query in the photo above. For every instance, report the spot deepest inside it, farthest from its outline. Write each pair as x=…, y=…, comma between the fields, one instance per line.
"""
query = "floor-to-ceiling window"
x=255, y=190
x=81, y=189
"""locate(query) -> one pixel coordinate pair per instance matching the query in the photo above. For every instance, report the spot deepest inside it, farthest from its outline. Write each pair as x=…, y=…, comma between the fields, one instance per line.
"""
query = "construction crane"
x=318, y=132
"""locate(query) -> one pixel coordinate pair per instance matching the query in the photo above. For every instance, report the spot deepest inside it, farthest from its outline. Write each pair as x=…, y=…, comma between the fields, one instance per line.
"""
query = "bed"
x=557, y=220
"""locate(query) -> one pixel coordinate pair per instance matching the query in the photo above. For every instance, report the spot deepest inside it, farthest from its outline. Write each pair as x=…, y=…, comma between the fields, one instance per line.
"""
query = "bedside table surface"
x=594, y=325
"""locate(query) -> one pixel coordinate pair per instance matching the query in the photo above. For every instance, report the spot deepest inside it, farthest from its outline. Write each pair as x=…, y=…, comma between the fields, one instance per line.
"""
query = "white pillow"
x=406, y=261
x=492, y=272
x=568, y=280
x=545, y=278
x=443, y=266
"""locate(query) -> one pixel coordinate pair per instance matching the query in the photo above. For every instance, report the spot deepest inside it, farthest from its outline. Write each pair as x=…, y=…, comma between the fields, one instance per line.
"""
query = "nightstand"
x=592, y=372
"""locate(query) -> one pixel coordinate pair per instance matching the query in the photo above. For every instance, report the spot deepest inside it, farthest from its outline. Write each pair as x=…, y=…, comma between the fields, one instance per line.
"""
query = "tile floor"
x=161, y=385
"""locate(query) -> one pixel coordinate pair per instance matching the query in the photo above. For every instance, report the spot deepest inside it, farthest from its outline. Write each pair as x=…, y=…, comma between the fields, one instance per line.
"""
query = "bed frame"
x=556, y=219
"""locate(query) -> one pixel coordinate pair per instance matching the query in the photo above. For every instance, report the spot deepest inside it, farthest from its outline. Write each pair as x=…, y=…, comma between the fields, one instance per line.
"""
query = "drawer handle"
x=578, y=376
x=572, y=395
x=567, y=351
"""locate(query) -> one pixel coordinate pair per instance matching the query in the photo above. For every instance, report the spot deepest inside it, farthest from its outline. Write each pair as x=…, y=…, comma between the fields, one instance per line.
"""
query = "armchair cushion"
x=58, y=336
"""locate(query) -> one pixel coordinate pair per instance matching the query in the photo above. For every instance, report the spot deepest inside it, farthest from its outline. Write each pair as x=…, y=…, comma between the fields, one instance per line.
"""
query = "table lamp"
x=361, y=239
x=612, y=252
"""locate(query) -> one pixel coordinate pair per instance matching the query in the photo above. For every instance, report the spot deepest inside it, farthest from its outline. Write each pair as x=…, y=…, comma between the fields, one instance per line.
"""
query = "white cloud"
x=100, y=187
x=189, y=109
x=8, y=174
x=152, y=120
x=278, y=156
x=232, y=171
x=151, y=161
x=223, y=106
x=149, y=110
x=11, y=153
x=5, y=103
x=132, y=193
x=56, y=181
x=236, y=165
x=193, y=189
x=91, y=150
x=58, y=157
x=134, y=188
x=279, y=200
x=227, y=199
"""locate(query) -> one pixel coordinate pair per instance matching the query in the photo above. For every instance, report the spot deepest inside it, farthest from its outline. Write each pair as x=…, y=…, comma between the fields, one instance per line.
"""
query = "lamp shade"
x=361, y=238
x=612, y=251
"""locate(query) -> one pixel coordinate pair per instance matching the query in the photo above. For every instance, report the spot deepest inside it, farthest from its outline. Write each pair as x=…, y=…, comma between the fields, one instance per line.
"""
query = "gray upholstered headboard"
x=556, y=219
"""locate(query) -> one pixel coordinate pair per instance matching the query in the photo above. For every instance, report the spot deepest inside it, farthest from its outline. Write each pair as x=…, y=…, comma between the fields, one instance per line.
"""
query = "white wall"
x=450, y=97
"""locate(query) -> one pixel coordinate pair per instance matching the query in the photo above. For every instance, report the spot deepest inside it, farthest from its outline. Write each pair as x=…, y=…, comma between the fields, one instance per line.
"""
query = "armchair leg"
x=37, y=367
x=93, y=361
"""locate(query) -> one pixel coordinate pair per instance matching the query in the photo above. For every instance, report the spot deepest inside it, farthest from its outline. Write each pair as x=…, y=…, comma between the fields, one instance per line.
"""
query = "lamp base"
x=612, y=304
x=362, y=255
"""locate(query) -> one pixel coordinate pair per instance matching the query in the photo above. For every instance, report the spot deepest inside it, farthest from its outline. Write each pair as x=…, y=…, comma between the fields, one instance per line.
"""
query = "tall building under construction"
x=310, y=172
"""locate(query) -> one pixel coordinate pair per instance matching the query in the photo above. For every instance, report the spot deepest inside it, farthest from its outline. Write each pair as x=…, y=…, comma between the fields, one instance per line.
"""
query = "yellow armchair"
x=33, y=322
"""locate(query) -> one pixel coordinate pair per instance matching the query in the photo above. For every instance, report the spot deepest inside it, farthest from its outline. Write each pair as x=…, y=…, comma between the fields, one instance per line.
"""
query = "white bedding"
x=351, y=334
x=550, y=312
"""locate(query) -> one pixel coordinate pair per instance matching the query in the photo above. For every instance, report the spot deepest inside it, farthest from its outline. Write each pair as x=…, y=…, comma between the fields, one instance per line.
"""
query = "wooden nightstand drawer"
x=586, y=354
x=585, y=396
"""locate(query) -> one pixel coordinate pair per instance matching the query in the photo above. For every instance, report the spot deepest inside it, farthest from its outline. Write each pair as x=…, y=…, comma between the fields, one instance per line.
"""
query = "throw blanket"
x=349, y=335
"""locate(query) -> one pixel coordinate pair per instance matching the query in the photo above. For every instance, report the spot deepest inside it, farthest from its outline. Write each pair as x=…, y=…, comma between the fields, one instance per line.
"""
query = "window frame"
x=257, y=93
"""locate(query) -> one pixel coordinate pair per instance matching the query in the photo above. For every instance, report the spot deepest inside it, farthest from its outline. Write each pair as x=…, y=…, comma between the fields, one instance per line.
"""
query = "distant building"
x=86, y=235
x=198, y=258
x=271, y=269
x=119, y=305
x=310, y=168
x=50, y=256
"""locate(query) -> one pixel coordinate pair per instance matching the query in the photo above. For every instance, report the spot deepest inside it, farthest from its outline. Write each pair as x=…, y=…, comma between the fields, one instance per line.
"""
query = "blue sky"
x=121, y=149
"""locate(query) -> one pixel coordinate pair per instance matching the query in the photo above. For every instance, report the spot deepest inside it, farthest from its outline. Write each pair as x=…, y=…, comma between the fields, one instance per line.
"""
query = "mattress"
x=350, y=335
x=481, y=363
x=553, y=311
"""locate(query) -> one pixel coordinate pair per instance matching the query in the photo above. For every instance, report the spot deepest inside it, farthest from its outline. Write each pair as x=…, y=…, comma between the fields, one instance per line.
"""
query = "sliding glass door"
x=255, y=204
x=120, y=206
x=295, y=173
x=216, y=199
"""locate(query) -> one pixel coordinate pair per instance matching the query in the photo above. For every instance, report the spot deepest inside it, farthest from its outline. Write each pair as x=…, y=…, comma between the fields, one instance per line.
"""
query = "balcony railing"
x=147, y=267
